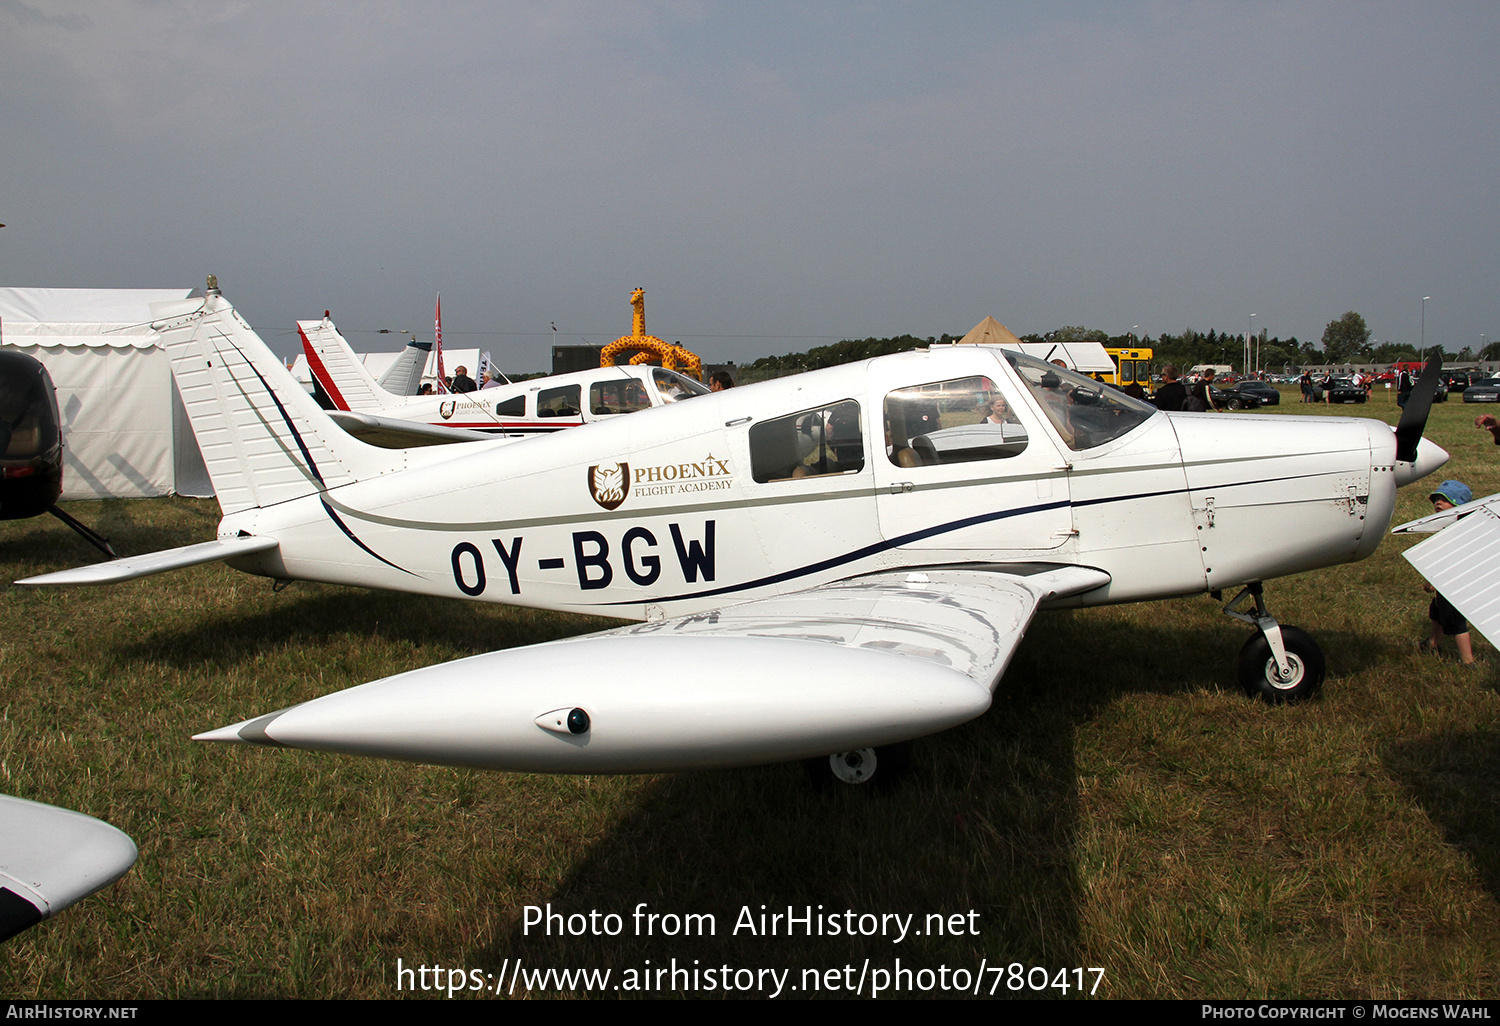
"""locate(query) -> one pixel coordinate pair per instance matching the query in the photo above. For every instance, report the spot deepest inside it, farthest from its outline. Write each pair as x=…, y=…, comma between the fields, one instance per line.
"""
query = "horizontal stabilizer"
x=1460, y=562
x=51, y=858
x=393, y=433
x=869, y=661
x=131, y=567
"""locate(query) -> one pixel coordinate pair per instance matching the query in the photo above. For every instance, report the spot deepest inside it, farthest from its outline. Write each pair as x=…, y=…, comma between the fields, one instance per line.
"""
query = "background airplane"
x=827, y=563
x=535, y=406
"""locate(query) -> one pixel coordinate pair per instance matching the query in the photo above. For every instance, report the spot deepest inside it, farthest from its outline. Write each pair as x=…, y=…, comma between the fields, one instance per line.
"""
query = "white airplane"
x=536, y=406
x=820, y=565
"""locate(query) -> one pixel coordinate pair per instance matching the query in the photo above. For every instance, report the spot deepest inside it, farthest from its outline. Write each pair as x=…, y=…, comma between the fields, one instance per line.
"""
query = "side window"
x=515, y=406
x=558, y=402
x=808, y=444
x=955, y=421
x=623, y=395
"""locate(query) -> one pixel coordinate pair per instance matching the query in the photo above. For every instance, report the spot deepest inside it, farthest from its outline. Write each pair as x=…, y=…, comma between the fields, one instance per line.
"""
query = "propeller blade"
x=1418, y=406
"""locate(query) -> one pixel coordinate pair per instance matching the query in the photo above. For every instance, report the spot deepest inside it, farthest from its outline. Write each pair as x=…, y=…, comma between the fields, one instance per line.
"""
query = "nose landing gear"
x=1280, y=663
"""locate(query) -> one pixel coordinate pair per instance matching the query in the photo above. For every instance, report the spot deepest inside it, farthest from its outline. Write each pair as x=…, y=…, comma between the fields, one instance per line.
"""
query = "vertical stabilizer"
x=339, y=372
x=404, y=376
x=263, y=437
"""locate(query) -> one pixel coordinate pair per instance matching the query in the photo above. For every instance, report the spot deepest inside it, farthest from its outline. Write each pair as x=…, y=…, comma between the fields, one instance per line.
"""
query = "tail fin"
x=338, y=372
x=404, y=376
x=263, y=437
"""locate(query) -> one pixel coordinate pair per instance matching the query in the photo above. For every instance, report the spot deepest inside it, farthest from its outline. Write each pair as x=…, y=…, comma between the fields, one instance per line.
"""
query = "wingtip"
x=246, y=732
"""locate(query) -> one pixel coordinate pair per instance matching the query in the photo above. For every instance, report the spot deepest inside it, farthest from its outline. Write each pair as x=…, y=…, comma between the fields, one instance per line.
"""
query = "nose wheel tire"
x=1260, y=678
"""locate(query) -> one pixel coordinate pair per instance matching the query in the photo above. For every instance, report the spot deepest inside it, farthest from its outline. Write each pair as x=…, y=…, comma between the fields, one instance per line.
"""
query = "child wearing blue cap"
x=1444, y=618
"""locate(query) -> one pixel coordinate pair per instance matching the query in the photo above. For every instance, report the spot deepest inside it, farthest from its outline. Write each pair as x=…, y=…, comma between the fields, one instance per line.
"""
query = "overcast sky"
x=775, y=175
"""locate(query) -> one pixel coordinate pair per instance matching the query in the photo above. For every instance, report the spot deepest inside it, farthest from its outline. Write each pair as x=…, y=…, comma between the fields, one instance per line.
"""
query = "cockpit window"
x=674, y=386
x=955, y=421
x=809, y=444
x=28, y=411
x=558, y=402
x=622, y=395
x=1085, y=412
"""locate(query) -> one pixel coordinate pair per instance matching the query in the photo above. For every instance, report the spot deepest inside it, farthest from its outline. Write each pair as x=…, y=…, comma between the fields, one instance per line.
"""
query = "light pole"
x=1249, y=335
x=1423, y=353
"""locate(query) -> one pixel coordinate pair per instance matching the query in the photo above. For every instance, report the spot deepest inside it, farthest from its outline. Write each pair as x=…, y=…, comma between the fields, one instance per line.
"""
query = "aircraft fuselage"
x=686, y=507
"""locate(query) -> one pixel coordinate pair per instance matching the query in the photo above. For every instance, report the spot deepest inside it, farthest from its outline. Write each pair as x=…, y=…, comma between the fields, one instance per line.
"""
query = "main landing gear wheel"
x=1260, y=677
x=883, y=766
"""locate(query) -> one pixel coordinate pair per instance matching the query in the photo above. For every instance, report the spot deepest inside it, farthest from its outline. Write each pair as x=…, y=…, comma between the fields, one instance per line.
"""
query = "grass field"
x=1122, y=806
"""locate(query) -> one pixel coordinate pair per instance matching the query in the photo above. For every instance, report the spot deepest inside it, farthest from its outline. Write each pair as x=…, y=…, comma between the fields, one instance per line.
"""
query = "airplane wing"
x=51, y=858
x=852, y=664
x=1461, y=561
x=393, y=433
x=131, y=567
x=1434, y=522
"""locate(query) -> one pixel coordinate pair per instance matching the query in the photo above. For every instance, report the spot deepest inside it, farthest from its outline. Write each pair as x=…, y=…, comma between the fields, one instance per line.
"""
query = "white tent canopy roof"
x=125, y=432
x=120, y=318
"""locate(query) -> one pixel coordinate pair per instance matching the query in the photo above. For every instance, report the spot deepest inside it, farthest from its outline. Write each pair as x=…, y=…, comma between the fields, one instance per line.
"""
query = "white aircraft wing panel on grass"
x=852, y=664
x=1460, y=561
x=130, y=567
x=51, y=858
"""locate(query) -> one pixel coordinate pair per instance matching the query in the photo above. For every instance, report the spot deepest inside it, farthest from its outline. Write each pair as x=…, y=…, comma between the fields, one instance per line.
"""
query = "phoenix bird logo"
x=607, y=484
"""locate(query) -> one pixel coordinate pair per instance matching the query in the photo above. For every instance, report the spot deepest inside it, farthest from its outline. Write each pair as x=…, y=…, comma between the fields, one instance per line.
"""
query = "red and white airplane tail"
x=343, y=378
x=337, y=370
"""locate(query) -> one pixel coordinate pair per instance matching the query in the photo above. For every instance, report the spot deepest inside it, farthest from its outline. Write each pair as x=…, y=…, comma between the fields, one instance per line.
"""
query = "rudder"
x=263, y=438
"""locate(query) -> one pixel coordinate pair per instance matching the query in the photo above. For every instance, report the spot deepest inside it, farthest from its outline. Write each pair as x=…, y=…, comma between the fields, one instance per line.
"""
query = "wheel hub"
x=1293, y=676
x=854, y=767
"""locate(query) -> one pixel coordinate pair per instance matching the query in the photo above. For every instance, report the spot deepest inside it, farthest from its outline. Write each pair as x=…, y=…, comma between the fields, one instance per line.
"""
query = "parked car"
x=1343, y=390
x=1262, y=390
x=1234, y=398
x=1485, y=391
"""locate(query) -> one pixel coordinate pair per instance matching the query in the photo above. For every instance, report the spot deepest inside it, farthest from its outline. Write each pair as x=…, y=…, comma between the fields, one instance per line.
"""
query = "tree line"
x=1346, y=340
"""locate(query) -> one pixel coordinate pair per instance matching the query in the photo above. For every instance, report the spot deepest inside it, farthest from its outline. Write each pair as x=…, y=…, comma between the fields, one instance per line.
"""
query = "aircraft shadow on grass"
x=1455, y=778
x=987, y=820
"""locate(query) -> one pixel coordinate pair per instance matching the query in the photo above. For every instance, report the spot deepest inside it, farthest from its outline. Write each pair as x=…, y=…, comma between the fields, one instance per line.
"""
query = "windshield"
x=1084, y=412
x=28, y=410
x=674, y=386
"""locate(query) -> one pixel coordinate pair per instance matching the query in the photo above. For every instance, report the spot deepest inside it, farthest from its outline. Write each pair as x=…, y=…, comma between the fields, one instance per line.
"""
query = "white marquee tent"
x=125, y=432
